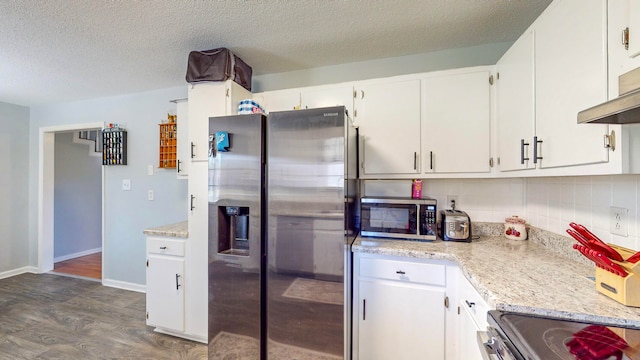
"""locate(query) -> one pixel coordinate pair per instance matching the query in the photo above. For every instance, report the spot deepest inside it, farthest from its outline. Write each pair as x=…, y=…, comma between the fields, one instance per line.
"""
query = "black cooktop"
x=530, y=337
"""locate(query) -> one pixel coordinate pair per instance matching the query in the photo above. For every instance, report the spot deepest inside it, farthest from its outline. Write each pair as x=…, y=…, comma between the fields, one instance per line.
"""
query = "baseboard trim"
x=200, y=339
x=78, y=254
x=124, y=285
x=18, y=271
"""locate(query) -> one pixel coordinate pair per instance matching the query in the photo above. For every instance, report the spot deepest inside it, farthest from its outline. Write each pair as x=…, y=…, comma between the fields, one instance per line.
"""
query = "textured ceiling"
x=65, y=50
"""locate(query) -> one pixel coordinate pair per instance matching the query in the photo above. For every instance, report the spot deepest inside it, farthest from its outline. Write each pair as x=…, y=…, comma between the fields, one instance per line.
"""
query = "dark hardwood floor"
x=87, y=266
x=47, y=316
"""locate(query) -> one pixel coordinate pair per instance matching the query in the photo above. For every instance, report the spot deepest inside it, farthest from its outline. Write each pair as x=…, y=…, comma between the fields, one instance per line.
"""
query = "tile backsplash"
x=548, y=203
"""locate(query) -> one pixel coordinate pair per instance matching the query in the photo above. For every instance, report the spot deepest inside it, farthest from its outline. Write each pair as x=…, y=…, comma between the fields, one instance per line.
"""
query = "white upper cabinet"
x=570, y=76
x=456, y=121
x=388, y=115
x=207, y=100
x=634, y=27
x=306, y=98
x=557, y=68
x=515, y=105
x=318, y=97
x=623, y=58
x=279, y=100
x=184, y=157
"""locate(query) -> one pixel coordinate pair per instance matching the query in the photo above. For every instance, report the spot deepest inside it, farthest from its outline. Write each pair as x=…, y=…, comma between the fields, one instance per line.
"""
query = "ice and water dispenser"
x=233, y=230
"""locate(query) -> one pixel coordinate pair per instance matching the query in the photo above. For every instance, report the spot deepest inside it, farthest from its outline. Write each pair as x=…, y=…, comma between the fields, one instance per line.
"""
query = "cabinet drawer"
x=165, y=246
x=414, y=272
x=473, y=301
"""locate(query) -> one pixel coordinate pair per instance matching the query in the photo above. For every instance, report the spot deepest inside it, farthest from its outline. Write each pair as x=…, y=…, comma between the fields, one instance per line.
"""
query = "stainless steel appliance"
x=282, y=205
x=521, y=336
x=400, y=218
x=455, y=225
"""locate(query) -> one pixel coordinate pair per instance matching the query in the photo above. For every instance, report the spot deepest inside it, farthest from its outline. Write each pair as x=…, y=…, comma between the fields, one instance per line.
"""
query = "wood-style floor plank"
x=88, y=266
x=46, y=316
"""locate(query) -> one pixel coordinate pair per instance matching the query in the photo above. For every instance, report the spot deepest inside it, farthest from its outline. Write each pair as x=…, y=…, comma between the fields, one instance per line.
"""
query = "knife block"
x=625, y=290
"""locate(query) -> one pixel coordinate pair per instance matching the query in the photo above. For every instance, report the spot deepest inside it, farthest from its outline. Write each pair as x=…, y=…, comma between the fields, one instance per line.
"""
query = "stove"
x=515, y=336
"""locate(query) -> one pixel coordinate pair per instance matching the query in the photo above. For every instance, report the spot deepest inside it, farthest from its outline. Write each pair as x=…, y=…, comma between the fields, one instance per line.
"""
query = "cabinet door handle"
x=430, y=160
x=191, y=202
x=364, y=309
x=178, y=162
x=415, y=160
x=192, y=146
x=522, y=145
x=178, y=282
x=469, y=304
x=535, y=149
x=361, y=94
x=163, y=248
x=400, y=272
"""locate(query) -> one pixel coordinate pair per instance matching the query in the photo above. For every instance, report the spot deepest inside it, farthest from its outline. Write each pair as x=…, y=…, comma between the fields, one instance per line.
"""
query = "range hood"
x=623, y=110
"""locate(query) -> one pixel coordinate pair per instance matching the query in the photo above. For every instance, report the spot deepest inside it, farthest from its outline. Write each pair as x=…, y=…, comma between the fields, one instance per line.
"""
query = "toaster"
x=455, y=225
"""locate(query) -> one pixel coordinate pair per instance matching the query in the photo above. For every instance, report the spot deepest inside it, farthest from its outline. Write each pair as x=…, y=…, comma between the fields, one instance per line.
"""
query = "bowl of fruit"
x=515, y=228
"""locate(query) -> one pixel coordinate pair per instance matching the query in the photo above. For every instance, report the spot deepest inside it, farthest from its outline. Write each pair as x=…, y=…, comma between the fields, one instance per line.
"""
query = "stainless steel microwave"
x=401, y=218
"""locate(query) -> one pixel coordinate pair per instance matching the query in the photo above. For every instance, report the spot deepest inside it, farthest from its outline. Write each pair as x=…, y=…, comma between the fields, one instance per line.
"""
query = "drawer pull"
x=400, y=272
x=163, y=248
x=470, y=304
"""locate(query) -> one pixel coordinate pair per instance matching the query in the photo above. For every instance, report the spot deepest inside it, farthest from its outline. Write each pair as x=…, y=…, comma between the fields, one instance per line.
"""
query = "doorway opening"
x=60, y=212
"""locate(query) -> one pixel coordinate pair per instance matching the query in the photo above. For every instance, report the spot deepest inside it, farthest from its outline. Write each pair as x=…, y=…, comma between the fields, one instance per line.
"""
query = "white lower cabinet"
x=472, y=317
x=399, y=308
x=165, y=283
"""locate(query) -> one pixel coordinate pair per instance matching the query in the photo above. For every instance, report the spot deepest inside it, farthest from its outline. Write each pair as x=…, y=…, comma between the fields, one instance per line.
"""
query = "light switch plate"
x=149, y=169
x=150, y=195
x=126, y=184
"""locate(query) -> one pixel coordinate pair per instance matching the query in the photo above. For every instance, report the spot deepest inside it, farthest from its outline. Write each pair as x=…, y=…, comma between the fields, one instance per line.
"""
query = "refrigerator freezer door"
x=235, y=223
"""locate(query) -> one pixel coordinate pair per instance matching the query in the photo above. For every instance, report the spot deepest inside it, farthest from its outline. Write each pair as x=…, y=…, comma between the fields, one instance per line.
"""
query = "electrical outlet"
x=126, y=184
x=618, y=223
x=452, y=201
x=150, y=195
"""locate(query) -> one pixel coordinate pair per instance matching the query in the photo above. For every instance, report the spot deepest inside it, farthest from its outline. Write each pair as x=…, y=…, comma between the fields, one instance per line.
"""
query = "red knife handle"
x=576, y=235
x=596, y=243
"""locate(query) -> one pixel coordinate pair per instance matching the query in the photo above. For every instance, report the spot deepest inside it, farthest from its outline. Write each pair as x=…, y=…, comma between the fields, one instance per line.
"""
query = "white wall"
x=549, y=203
x=127, y=213
x=438, y=60
x=485, y=200
x=14, y=147
x=552, y=203
x=77, y=198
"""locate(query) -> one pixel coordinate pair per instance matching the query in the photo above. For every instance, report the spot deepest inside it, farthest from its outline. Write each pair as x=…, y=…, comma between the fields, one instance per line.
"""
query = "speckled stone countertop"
x=180, y=230
x=518, y=275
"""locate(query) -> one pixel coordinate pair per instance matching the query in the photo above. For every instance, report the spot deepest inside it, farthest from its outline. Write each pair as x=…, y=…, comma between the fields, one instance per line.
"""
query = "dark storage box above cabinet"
x=218, y=65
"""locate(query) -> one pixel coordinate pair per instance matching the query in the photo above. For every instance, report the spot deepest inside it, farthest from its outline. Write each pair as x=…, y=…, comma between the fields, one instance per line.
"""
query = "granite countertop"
x=180, y=230
x=519, y=276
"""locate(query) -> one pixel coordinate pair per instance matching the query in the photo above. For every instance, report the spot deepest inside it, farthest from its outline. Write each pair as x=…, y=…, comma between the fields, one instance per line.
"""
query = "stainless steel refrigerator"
x=282, y=216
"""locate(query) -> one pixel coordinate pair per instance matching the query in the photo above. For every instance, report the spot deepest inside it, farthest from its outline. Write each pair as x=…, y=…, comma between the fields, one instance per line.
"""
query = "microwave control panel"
x=428, y=224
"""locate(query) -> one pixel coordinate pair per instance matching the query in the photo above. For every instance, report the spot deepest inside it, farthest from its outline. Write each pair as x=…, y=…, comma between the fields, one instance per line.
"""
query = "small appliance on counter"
x=455, y=225
x=400, y=218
